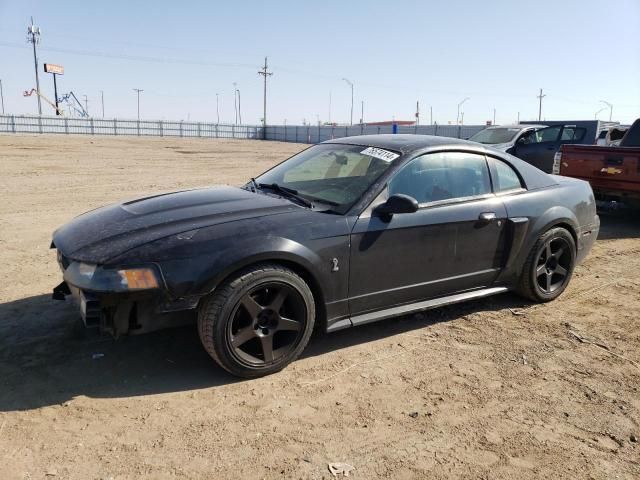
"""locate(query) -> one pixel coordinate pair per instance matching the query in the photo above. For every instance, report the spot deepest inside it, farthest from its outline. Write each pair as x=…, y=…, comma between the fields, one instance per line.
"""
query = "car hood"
x=106, y=232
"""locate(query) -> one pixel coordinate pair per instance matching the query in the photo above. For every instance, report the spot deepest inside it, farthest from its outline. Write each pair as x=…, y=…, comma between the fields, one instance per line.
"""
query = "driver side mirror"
x=398, y=203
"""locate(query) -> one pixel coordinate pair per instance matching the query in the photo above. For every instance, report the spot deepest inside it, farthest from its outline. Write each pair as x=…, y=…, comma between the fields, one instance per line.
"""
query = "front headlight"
x=87, y=276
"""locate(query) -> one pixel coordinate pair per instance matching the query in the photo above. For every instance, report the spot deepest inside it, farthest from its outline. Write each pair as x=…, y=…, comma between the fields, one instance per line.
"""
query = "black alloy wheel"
x=258, y=321
x=553, y=265
x=549, y=266
x=266, y=324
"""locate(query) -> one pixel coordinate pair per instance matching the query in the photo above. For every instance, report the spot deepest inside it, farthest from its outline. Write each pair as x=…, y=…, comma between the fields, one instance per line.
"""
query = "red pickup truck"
x=613, y=172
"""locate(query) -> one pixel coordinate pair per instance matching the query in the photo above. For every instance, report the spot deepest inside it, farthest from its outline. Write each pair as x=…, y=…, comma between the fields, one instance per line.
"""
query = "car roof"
x=521, y=127
x=404, y=143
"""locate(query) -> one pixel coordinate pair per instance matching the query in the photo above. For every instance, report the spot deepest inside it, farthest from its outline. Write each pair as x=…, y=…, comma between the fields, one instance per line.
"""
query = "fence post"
x=296, y=134
x=233, y=131
x=161, y=129
x=198, y=129
x=181, y=128
x=138, y=125
x=308, y=133
x=91, y=123
x=13, y=123
x=40, y=123
x=216, y=131
x=436, y=132
x=459, y=130
x=66, y=125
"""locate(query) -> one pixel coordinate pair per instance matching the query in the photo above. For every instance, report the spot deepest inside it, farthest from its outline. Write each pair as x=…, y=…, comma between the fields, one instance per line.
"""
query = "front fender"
x=249, y=253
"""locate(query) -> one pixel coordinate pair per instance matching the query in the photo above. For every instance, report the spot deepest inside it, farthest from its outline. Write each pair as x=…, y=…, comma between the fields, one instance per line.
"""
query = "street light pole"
x=459, y=105
x=217, y=109
x=1, y=96
x=350, y=83
x=138, y=91
x=610, y=105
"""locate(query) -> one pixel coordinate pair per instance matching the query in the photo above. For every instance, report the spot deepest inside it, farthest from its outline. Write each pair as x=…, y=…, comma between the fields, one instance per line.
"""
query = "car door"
x=539, y=147
x=453, y=242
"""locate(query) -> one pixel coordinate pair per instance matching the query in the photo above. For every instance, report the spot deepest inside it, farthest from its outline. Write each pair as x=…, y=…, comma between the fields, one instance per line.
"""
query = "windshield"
x=332, y=173
x=492, y=136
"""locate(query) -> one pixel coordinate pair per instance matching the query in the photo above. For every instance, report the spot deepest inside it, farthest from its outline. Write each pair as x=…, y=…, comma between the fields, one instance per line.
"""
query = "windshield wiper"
x=254, y=184
x=287, y=192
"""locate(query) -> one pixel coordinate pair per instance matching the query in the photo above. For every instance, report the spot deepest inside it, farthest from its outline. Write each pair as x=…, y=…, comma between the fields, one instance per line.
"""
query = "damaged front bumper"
x=120, y=300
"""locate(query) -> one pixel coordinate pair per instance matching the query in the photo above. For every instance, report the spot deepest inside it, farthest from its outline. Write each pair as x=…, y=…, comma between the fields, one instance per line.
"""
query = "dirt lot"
x=496, y=388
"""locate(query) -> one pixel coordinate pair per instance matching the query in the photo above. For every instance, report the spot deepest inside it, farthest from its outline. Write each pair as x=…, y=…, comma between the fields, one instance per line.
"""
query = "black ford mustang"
x=347, y=232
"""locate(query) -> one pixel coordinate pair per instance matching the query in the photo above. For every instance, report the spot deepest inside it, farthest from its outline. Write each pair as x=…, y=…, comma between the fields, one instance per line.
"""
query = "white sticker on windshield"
x=380, y=153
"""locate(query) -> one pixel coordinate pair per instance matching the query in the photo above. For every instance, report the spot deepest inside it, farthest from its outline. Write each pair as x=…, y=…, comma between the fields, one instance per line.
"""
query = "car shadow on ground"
x=47, y=357
x=619, y=224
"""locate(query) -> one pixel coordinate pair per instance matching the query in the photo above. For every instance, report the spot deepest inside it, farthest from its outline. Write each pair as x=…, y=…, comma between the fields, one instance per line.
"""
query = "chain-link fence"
x=97, y=126
x=317, y=134
x=161, y=128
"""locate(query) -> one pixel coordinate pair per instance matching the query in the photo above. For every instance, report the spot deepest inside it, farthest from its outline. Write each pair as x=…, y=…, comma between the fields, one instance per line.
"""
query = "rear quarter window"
x=507, y=178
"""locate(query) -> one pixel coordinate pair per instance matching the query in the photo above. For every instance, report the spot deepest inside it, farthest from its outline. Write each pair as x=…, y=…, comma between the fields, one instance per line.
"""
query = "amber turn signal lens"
x=139, y=278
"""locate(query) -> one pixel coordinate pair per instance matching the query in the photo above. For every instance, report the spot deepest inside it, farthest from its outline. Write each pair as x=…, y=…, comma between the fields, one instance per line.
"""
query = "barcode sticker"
x=380, y=153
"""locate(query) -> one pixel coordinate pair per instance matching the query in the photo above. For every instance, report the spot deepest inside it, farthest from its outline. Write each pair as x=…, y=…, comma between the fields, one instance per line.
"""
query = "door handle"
x=486, y=217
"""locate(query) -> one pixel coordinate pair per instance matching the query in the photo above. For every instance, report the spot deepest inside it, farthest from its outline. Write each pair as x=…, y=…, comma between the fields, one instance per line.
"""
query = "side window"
x=507, y=177
x=549, y=134
x=573, y=134
x=442, y=176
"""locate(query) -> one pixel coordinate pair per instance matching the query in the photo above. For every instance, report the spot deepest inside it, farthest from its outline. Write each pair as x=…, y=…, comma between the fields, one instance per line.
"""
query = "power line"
x=265, y=74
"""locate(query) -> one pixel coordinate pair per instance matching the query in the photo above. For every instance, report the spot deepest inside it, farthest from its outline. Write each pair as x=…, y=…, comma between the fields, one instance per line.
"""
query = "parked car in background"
x=612, y=171
x=611, y=135
x=503, y=137
x=540, y=146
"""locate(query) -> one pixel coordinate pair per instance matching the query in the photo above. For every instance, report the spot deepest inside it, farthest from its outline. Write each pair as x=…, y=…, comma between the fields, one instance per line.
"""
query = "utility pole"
x=1, y=96
x=350, y=83
x=610, y=108
x=86, y=105
x=458, y=114
x=138, y=91
x=239, y=108
x=265, y=74
x=33, y=36
x=540, y=97
x=494, y=116
x=235, y=102
x=217, y=109
x=417, y=112
x=431, y=115
x=102, y=101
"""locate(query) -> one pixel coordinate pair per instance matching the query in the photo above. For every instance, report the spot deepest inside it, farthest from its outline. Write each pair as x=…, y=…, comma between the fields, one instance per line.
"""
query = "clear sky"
x=497, y=52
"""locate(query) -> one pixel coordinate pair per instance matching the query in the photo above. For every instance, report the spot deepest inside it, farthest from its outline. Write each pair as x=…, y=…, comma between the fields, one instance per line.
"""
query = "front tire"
x=258, y=321
x=549, y=266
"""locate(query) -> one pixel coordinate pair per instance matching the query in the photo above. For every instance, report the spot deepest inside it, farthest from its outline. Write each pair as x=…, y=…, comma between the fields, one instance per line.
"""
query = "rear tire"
x=549, y=266
x=258, y=321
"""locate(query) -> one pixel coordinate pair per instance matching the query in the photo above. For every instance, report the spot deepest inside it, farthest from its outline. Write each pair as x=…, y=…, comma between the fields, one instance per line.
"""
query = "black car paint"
x=355, y=263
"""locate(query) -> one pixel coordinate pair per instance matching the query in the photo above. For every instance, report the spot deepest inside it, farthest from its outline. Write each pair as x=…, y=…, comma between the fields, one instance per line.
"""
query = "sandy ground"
x=495, y=389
